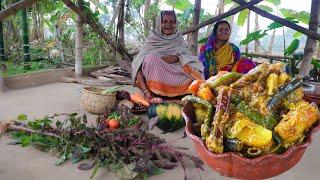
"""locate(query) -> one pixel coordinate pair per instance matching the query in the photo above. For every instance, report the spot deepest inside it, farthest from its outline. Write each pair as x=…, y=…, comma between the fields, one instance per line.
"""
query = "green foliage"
x=315, y=63
x=302, y=16
x=274, y=2
x=243, y=15
x=253, y=36
x=181, y=5
x=15, y=68
x=22, y=117
x=126, y=152
x=297, y=34
x=266, y=8
x=262, y=33
x=292, y=47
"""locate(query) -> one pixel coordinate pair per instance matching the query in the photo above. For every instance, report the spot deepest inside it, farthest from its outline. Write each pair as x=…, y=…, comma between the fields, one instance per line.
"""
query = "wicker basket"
x=94, y=102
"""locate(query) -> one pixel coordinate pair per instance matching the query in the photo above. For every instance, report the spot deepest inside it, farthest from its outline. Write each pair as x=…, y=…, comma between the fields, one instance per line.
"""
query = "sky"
x=298, y=5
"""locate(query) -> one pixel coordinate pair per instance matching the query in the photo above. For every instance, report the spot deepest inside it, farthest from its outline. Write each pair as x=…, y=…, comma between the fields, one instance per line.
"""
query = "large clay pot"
x=233, y=165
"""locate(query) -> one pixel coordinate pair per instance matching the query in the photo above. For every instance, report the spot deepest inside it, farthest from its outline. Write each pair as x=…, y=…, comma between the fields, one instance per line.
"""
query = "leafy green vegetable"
x=22, y=117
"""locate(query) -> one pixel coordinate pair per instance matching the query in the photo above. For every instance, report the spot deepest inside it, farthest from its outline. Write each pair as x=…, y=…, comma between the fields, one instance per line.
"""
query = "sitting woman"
x=164, y=66
x=220, y=55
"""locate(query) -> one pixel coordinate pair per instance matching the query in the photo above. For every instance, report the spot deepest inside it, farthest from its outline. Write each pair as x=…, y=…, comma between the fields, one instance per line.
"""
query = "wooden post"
x=194, y=36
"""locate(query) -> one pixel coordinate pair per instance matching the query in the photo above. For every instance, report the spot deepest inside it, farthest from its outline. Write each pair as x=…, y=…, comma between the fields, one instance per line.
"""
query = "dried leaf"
x=86, y=166
x=126, y=172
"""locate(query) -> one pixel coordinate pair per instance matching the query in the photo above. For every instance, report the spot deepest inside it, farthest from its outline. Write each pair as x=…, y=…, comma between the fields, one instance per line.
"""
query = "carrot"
x=139, y=99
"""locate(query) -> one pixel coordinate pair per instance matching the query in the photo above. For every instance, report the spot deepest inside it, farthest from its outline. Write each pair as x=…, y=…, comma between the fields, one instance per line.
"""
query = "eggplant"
x=284, y=92
x=232, y=144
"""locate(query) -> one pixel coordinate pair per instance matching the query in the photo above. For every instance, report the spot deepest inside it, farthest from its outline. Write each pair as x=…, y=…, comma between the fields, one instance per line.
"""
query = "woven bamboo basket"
x=94, y=102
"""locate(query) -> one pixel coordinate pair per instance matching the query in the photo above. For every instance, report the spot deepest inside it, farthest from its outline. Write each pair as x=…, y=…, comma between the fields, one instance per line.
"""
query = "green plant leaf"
x=274, y=2
x=95, y=170
x=297, y=34
x=226, y=2
x=22, y=117
x=187, y=14
x=181, y=5
x=61, y=160
x=17, y=134
x=243, y=15
x=253, y=36
x=274, y=25
x=315, y=63
x=126, y=172
x=302, y=16
x=292, y=47
x=25, y=141
x=266, y=8
x=85, y=149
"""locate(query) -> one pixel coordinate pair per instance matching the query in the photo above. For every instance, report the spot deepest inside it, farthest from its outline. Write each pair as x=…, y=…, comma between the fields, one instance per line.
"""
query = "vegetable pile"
x=130, y=153
x=253, y=114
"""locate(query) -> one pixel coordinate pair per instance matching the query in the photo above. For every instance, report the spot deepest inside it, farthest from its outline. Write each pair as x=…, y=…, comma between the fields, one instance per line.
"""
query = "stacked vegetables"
x=253, y=114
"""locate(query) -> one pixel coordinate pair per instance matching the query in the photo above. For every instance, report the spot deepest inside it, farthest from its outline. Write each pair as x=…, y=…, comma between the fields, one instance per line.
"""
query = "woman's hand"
x=170, y=59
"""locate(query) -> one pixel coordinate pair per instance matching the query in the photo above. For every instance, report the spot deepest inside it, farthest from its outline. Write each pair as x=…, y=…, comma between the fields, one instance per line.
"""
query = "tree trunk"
x=271, y=41
x=220, y=6
x=2, y=54
x=35, y=22
x=113, y=19
x=146, y=20
x=121, y=23
x=193, y=43
x=25, y=35
x=311, y=43
x=256, y=28
x=78, y=43
x=98, y=28
x=59, y=40
x=248, y=30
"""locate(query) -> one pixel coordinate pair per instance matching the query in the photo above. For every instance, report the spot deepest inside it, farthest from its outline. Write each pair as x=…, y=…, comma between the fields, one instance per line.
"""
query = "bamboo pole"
x=14, y=8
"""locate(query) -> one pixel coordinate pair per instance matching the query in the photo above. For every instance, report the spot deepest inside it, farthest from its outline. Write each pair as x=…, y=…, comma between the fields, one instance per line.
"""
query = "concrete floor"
x=30, y=164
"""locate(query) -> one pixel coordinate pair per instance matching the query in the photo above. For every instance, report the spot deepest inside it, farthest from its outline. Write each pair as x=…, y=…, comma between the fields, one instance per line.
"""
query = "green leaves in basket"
x=111, y=90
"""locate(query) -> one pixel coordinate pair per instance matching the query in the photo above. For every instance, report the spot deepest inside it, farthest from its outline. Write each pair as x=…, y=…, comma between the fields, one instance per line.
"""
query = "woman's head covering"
x=216, y=25
x=157, y=31
x=161, y=44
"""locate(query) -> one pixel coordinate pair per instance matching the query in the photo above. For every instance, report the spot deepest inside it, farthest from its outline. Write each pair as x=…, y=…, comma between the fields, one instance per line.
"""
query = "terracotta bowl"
x=232, y=165
x=311, y=97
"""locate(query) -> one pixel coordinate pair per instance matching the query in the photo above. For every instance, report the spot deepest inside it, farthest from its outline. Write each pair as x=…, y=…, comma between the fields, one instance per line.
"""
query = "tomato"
x=113, y=123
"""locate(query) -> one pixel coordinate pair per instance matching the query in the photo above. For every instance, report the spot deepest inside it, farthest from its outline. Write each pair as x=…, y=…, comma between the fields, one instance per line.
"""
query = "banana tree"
x=243, y=16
